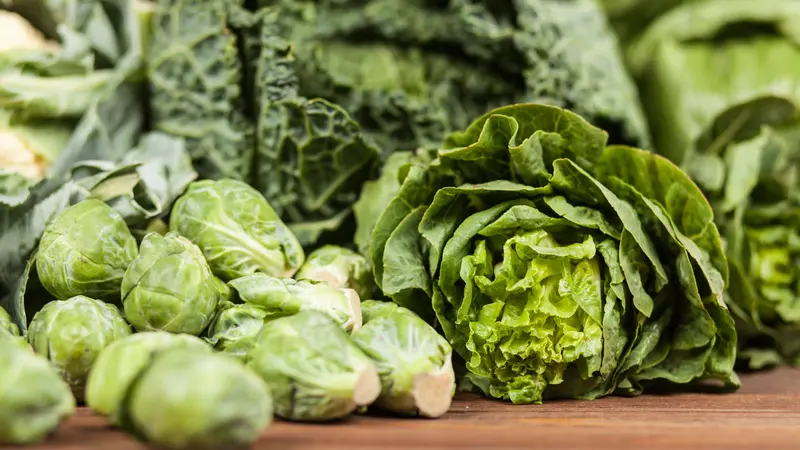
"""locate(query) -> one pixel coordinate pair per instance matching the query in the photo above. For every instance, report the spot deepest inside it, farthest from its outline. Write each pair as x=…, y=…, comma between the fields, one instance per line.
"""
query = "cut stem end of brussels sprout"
x=368, y=387
x=433, y=392
x=356, y=320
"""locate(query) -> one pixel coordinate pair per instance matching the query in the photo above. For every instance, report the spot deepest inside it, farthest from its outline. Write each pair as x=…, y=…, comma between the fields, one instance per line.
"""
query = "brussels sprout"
x=339, y=267
x=413, y=360
x=235, y=328
x=315, y=371
x=284, y=296
x=169, y=287
x=202, y=401
x=71, y=333
x=85, y=251
x=120, y=362
x=6, y=324
x=237, y=230
x=34, y=399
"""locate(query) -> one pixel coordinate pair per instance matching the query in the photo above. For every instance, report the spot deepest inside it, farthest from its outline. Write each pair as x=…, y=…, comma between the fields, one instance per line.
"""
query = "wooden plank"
x=765, y=414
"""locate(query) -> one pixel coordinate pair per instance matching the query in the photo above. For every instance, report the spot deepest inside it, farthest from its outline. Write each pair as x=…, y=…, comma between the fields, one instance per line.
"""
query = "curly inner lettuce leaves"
x=315, y=371
x=557, y=266
x=413, y=361
x=734, y=127
x=285, y=296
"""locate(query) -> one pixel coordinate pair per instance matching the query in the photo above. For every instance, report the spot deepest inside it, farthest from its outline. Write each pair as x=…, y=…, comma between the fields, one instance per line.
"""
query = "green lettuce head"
x=315, y=371
x=741, y=144
x=340, y=268
x=118, y=365
x=85, y=250
x=555, y=265
x=235, y=328
x=6, y=324
x=34, y=399
x=72, y=333
x=237, y=230
x=285, y=296
x=204, y=400
x=413, y=360
x=169, y=287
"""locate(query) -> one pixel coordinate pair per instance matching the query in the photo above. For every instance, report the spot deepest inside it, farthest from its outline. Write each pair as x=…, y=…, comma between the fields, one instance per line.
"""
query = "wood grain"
x=765, y=414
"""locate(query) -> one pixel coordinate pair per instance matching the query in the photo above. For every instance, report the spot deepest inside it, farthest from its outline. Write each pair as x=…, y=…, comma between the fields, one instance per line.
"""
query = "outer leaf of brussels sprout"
x=315, y=371
x=6, y=324
x=284, y=296
x=340, y=268
x=72, y=333
x=203, y=401
x=118, y=365
x=85, y=250
x=169, y=287
x=413, y=361
x=235, y=328
x=237, y=230
x=33, y=397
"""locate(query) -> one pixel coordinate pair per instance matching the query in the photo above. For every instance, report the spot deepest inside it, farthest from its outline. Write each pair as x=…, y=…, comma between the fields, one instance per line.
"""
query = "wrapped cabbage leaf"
x=339, y=267
x=301, y=98
x=558, y=266
x=120, y=362
x=285, y=296
x=206, y=401
x=235, y=328
x=237, y=230
x=169, y=287
x=413, y=360
x=72, y=333
x=315, y=371
x=34, y=399
x=719, y=79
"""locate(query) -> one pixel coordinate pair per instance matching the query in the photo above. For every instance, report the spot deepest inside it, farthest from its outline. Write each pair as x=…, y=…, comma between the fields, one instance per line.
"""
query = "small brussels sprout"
x=202, y=400
x=225, y=291
x=169, y=287
x=120, y=362
x=71, y=333
x=315, y=371
x=85, y=251
x=339, y=267
x=413, y=360
x=237, y=230
x=6, y=324
x=235, y=328
x=34, y=399
x=285, y=296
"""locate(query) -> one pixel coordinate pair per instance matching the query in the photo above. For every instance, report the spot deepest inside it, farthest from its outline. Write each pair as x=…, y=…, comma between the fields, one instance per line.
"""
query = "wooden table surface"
x=764, y=414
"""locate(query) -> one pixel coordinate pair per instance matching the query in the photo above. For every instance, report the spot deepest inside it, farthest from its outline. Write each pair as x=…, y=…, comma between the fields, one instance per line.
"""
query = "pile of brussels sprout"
x=194, y=338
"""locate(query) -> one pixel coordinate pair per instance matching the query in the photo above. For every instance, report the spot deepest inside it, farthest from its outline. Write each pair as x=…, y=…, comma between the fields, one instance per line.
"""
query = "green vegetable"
x=34, y=399
x=169, y=287
x=237, y=230
x=284, y=296
x=720, y=82
x=85, y=250
x=203, y=401
x=340, y=268
x=235, y=328
x=315, y=371
x=72, y=333
x=300, y=98
x=556, y=265
x=413, y=360
x=6, y=324
x=121, y=361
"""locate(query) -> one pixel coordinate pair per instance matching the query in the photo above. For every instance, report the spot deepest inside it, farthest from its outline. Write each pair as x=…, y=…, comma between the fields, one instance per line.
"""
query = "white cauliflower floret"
x=17, y=156
x=19, y=34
